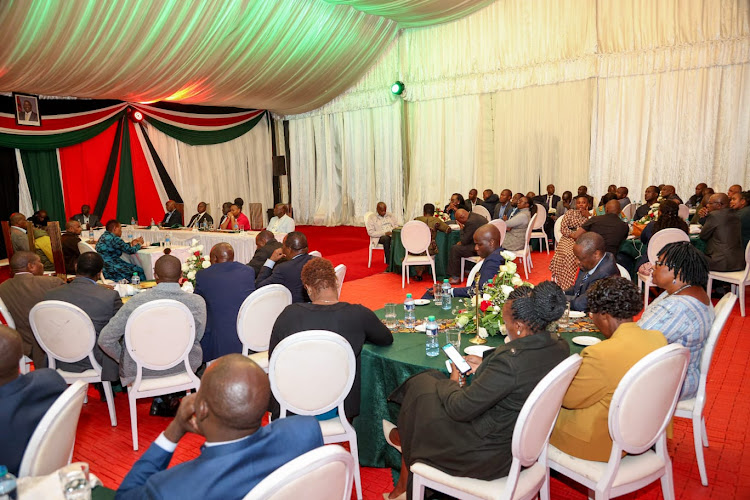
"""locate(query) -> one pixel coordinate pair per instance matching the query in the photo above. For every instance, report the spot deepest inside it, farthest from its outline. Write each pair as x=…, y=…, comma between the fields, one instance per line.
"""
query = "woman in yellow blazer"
x=581, y=429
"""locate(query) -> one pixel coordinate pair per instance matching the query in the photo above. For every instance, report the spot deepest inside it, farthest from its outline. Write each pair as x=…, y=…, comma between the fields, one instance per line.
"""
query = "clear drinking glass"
x=391, y=320
x=437, y=292
x=453, y=336
x=75, y=482
x=564, y=321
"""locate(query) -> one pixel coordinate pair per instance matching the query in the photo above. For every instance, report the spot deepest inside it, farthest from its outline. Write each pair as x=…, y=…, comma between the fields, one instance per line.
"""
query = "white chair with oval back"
x=373, y=245
x=315, y=253
x=525, y=254
x=324, y=473
x=84, y=247
x=538, y=232
x=256, y=318
x=24, y=362
x=312, y=372
x=65, y=332
x=340, y=275
x=693, y=408
x=629, y=210
x=655, y=244
x=558, y=228
x=159, y=335
x=416, y=238
x=528, y=469
x=683, y=211
x=641, y=408
x=51, y=444
x=479, y=209
x=738, y=279
x=624, y=272
x=502, y=227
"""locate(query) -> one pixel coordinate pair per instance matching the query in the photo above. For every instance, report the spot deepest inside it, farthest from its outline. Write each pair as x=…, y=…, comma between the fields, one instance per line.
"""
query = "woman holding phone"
x=467, y=431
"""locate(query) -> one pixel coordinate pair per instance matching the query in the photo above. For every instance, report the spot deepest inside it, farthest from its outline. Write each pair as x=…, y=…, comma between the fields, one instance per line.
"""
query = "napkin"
x=47, y=487
x=695, y=228
x=125, y=290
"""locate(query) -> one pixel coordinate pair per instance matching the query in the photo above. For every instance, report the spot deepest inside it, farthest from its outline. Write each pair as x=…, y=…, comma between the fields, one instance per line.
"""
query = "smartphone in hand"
x=457, y=359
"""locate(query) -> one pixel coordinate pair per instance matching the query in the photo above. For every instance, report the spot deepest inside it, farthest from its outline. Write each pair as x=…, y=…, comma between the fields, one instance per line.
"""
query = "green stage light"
x=397, y=88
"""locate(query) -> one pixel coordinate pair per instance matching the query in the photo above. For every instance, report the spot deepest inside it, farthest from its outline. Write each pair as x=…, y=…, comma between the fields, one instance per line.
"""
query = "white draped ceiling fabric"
x=564, y=91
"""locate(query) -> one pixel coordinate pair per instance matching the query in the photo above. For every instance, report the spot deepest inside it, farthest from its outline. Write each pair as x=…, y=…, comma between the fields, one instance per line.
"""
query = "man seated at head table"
x=25, y=399
x=224, y=286
x=287, y=273
x=238, y=453
x=69, y=241
x=167, y=271
x=469, y=222
x=202, y=217
x=582, y=427
x=265, y=244
x=381, y=226
x=86, y=218
x=722, y=233
x=172, y=217
x=595, y=263
x=99, y=302
x=25, y=290
x=236, y=219
x=281, y=222
x=226, y=207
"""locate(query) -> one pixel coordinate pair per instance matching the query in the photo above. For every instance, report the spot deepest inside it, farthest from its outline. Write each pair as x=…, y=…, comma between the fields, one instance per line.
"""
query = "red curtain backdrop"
x=146, y=196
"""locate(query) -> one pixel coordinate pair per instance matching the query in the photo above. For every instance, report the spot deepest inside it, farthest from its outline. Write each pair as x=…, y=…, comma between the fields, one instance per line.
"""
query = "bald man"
x=69, y=240
x=288, y=272
x=733, y=190
x=722, y=233
x=25, y=399
x=227, y=410
x=172, y=216
x=380, y=226
x=469, y=223
x=167, y=272
x=265, y=244
x=224, y=286
x=695, y=200
x=594, y=263
x=668, y=193
x=487, y=246
x=613, y=230
x=24, y=291
x=281, y=222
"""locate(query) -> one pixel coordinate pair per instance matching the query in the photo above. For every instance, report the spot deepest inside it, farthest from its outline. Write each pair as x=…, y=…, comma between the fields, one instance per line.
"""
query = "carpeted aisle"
x=345, y=245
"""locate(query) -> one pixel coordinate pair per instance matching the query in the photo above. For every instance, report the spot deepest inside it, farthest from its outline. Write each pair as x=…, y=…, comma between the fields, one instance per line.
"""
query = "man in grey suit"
x=24, y=291
x=287, y=273
x=86, y=218
x=167, y=272
x=18, y=236
x=98, y=301
x=265, y=244
x=469, y=223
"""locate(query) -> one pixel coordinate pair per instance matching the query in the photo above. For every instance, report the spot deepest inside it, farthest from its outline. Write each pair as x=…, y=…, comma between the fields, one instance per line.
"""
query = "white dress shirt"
x=285, y=224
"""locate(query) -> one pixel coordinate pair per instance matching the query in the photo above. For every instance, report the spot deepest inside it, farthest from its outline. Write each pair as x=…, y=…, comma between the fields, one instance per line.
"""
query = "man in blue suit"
x=287, y=273
x=487, y=246
x=238, y=452
x=224, y=286
x=594, y=263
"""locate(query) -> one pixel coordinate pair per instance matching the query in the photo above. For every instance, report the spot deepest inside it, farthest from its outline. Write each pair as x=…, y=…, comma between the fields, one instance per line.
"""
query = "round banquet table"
x=444, y=242
x=385, y=368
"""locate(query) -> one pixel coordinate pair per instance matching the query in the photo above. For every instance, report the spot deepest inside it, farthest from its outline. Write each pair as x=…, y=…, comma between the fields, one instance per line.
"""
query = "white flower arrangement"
x=194, y=263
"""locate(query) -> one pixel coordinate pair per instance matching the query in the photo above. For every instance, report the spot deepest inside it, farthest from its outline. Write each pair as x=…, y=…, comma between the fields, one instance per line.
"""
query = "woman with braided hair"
x=683, y=312
x=467, y=431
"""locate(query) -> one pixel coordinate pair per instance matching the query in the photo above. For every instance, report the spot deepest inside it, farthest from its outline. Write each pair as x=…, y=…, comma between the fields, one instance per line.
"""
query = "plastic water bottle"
x=152, y=223
x=167, y=240
x=431, y=346
x=236, y=226
x=446, y=295
x=132, y=221
x=409, y=319
x=136, y=281
x=91, y=234
x=7, y=484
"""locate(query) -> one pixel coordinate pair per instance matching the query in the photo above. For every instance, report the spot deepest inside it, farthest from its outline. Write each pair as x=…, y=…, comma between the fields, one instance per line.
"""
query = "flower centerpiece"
x=652, y=215
x=196, y=262
x=441, y=214
x=487, y=306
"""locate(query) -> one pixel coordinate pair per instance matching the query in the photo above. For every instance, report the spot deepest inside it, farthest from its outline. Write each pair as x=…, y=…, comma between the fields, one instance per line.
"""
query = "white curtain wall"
x=220, y=172
x=523, y=93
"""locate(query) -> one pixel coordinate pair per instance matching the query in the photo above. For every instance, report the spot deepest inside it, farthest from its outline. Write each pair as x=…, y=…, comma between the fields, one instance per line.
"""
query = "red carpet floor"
x=110, y=454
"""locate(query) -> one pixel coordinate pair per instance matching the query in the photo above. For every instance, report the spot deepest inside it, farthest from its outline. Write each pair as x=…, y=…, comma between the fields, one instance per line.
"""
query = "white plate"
x=577, y=314
x=421, y=302
x=586, y=340
x=420, y=327
x=477, y=350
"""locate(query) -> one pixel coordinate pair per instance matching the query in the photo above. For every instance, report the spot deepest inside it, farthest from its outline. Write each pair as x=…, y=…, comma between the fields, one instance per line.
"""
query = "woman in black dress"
x=354, y=322
x=467, y=431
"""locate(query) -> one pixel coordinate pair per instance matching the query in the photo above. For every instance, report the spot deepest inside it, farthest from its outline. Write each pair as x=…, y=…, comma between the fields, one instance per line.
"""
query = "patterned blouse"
x=685, y=320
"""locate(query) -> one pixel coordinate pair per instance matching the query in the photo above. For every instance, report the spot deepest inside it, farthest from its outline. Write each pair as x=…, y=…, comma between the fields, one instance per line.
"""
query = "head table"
x=385, y=368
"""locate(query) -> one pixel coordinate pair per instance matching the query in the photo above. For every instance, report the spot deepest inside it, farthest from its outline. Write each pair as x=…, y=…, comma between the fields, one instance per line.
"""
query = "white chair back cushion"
x=479, y=209
x=722, y=310
x=624, y=272
x=558, y=227
x=311, y=372
x=315, y=253
x=502, y=227
x=645, y=398
x=340, y=275
x=473, y=272
x=541, y=216
x=662, y=238
x=416, y=237
x=51, y=445
x=63, y=330
x=324, y=473
x=683, y=211
x=629, y=210
x=160, y=334
x=539, y=412
x=84, y=247
x=530, y=227
x=6, y=315
x=258, y=314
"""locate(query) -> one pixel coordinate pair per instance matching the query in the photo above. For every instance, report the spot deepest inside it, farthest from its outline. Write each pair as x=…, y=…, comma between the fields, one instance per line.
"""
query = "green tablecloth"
x=385, y=368
x=444, y=242
x=102, y=493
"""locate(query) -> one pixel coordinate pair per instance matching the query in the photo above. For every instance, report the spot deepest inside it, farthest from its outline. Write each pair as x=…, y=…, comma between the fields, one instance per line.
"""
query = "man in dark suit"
x=489, y=201
x=722, y=233
x=224, y=286
x=503, y=207
x=69, y=241
x=651, y=195
x=172, y=217
x=609, y=226
x=25, y=399
x=23, y=292
x=487, y=246
x=549, y=200
x=595, y=263
x=265, y=244
x=86, y=218
x=288, y=273
x=201, y=217
x=469, y=223
x=98, y=302
x=668, y=193
x=225, y=208
x=227, y=410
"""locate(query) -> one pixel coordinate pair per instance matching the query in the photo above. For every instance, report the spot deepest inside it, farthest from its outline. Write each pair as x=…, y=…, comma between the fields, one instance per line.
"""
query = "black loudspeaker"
x=279, y=165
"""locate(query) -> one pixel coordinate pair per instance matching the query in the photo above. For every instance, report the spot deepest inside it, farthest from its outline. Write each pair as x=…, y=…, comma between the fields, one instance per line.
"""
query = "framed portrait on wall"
x=27, y=110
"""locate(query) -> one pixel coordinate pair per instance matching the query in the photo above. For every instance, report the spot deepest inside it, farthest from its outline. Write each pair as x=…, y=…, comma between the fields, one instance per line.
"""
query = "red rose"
x=462, y=311
x=484, y=305
x=490, y=285
x=197, y=254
